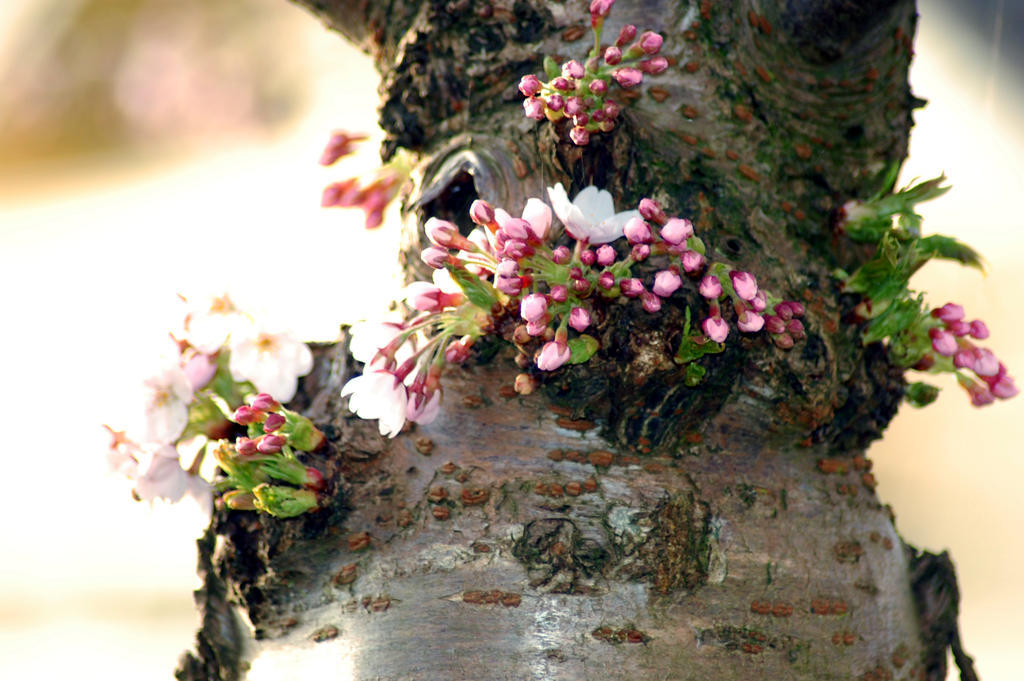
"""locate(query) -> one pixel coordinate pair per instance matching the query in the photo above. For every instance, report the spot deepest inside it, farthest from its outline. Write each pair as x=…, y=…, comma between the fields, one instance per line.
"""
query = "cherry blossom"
x=271, y=361
x=160, y=475
x=378, y=395
x=166, y=398
x=591, y=215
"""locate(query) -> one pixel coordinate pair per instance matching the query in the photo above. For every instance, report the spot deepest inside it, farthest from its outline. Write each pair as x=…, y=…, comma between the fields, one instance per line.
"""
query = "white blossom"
x=591, y=215
x=166, y=397
x=209, y=324
x=270, y=361
x=160, y=475
x=377, y=395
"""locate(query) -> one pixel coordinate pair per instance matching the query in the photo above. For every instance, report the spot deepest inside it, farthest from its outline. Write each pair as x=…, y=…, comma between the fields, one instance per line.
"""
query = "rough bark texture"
x=618, y=525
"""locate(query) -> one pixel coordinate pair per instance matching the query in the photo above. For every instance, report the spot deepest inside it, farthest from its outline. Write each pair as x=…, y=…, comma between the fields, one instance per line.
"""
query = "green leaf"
x=921, y=394
x=551, y=68
x=582, y=348
x=479, y=292
x=283, y=502
x=897, y=317
x=690, y=349
x=694, y=374
x=948, y=248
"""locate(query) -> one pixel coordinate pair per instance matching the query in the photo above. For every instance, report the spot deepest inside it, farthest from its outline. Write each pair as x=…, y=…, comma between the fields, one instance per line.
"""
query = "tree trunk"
x=619, y=524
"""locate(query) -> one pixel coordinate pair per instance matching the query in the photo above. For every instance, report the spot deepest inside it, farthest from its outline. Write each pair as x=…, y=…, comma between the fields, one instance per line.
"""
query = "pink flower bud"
x=631, y=287
x=264, y=402
x=710, y=287
x=962, y=359
x=441, y=232
x=716, y=329
x=533, y=307
x=534, y=108
x=979, y=330
x=340, y=144
x=692, y=261
x=579, y=136
x=580, y=120
x=200, y=370
x=783, y=341
x=650, y=302
x=587, y=257
x=529, y=85
x=640, y=252
x=481, y=213
x=795, y=328
x=579, y=319
x=273, y=422
x=552, y=356
x=314, y=480
x=562, y=84
x=598, y=87
x=784, y=310
x=605, y=255
x=626, y=35
x=556, y=102
x=1004, y=388
x=270, y=444
x=750, y=322
x=612, y=55
x=943, y=341
x=773, y=324
x=950, y=312
x=517, y=228
x=507, y=268
x=434, y=256
x=638, y=231
x=959, y=328
x=650, y=210
x=561, y=255
x=677, y=230
x=760, y=302
x=980, y=394
x=600, y=8
x=985, y=362
x=611, y=110
x=246, y=447
x=573, y=106
x=744, y=284
x=580, y=286
x=650, y=42
x=517, y=249
x=606, y=281
x=666, y=282
x=244, y=415
x=559, y=293
x=572, y=69
x=509, y=285
x=627, y=76
x=457, y=351
x=654, y=65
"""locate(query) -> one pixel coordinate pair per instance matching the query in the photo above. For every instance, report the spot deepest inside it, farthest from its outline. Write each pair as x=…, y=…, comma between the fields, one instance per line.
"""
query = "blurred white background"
x=97, y=240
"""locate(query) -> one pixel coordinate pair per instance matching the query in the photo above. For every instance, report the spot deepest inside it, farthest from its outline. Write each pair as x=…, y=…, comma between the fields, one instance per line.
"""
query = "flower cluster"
x=219, y=356
x=373, y=198
x=514, y=267
x=977, y=369
x=939, y=340
x=257, y=462
x=580, y=92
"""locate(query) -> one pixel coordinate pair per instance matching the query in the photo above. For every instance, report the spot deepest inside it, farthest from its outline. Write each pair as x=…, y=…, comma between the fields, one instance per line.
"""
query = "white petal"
x=501, y=217
x=444, y=281
x=161, y=476
x=595, y=204
x=538, y=214
x=560, y=201
x=611, y=228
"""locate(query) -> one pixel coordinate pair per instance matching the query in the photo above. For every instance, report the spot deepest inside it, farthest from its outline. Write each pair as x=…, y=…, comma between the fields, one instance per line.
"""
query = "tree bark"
x=619, y=524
